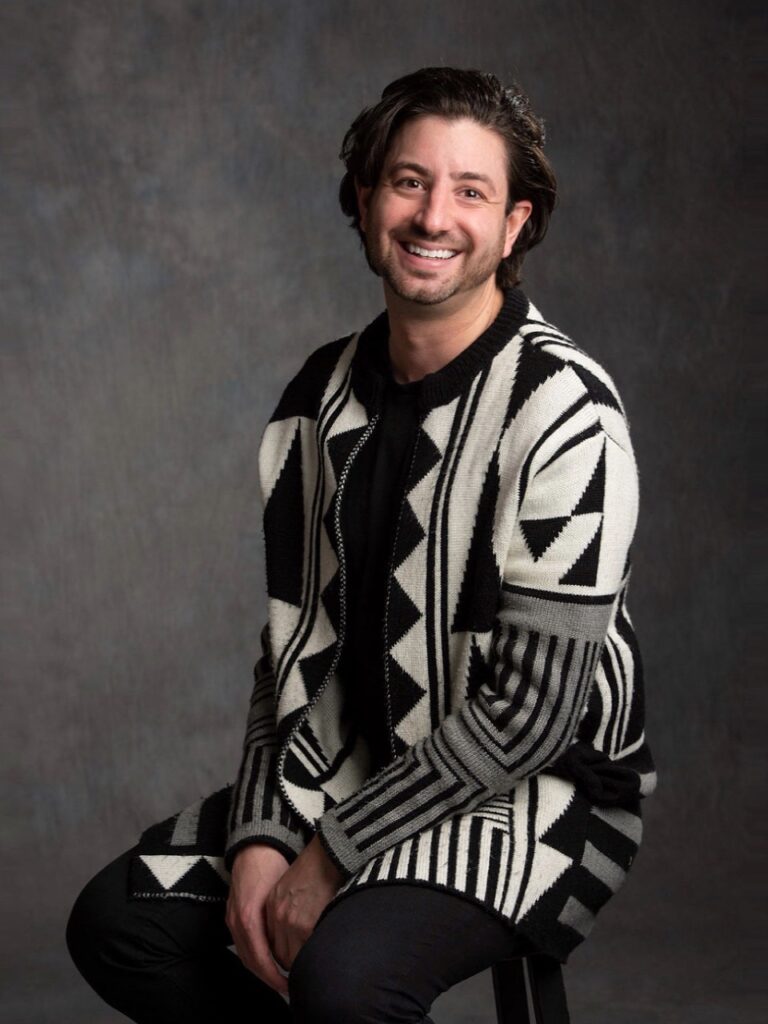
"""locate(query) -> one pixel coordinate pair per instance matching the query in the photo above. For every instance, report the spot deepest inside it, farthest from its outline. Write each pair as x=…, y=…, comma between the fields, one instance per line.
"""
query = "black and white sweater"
x=513, y=675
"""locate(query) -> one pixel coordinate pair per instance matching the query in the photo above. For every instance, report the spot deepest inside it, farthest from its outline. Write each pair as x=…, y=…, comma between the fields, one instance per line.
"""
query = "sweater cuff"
x=290, y=844
x=337, y=845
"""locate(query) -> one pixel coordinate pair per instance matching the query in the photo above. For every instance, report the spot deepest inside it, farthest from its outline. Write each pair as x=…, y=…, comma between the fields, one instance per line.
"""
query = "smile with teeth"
x=430, y=254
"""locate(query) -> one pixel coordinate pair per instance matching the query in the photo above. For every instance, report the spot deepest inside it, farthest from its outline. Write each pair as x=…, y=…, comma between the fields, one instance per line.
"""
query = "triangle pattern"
x=599, y=392
x=409, y=535
x=314, y=669
x=217, y=863
x=593, y=498
x=554, y=830
x=329, y=517
x=583, y=572
x=204, y=878
x=533, y=368
x=284, y=529
x=340, y=447
x=169, y=868
x=331, y=599
x=478, y=597
x=551, y=825
x=548, y=865
x=403, y=613
x=405, y=692
x=426, y=457
x=539, y=533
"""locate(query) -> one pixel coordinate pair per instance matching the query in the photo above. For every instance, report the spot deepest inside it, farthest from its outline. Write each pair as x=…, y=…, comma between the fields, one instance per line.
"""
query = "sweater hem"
x=155, y=895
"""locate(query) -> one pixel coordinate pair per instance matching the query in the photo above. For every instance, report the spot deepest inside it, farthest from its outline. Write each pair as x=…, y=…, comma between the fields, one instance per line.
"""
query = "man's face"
x=435, y=224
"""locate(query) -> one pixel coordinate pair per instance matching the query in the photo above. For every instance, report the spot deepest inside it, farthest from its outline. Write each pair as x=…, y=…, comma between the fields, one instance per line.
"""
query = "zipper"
x=343, y=616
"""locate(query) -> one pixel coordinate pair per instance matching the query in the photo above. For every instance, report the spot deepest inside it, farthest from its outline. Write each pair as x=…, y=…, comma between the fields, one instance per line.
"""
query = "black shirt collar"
x=372, y=371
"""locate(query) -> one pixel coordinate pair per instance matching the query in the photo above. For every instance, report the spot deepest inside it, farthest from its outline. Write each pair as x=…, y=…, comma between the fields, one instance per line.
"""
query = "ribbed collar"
x=371, y=359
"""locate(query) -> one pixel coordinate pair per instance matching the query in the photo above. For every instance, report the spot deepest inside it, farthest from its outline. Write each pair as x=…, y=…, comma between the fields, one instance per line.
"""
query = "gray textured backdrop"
x=173, y=250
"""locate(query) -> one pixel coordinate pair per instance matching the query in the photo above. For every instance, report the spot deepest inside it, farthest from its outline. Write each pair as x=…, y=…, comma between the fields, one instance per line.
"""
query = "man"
x=445, y=753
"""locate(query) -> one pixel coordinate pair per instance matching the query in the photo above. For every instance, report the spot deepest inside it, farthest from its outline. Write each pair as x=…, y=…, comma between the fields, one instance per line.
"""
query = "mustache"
x=417, y=234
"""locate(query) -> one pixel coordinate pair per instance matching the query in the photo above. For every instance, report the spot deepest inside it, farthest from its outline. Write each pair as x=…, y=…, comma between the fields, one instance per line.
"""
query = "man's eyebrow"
x=409, y=165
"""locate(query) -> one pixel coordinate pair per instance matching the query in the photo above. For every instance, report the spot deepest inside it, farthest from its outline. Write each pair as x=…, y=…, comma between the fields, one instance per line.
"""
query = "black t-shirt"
x=373, y=496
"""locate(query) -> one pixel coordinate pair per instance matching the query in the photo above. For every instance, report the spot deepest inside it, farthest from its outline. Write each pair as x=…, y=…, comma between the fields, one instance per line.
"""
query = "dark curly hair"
x=455, y=93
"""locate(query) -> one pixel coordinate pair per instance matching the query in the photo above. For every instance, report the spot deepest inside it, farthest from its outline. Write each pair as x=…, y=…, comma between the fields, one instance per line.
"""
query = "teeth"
x=432, y=254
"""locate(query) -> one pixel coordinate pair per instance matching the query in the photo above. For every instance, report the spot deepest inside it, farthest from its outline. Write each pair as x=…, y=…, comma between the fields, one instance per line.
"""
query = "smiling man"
x=445, y=753
x=435, y=230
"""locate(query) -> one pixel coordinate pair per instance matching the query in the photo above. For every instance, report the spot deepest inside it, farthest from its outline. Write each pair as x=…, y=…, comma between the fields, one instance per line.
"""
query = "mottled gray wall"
x=172, y=250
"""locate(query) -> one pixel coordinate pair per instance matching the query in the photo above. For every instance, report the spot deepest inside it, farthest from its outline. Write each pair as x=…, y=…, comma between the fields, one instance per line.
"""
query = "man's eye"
x=409, y=183
x=472, y=193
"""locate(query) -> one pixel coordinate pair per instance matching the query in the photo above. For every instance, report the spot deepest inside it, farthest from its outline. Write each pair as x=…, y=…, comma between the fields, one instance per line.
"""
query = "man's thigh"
x=163, y=959
x=386, y=952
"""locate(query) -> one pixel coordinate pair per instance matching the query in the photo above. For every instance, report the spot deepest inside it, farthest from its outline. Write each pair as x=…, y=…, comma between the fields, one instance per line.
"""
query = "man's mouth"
x=429, y=254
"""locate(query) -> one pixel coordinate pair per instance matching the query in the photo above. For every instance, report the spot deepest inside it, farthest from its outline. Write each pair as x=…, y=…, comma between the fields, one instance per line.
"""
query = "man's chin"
x=421, y=294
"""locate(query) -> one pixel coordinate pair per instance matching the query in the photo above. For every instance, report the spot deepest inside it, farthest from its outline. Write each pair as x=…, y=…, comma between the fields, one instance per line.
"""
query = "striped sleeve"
x=562, y=578
x=258, y=812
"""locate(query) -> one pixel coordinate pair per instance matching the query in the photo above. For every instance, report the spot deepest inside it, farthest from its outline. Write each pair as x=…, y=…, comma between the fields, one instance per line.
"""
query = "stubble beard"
x=406, y=285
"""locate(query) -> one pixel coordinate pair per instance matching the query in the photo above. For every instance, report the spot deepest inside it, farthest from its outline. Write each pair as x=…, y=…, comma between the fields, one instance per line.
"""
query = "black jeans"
x=381, y=955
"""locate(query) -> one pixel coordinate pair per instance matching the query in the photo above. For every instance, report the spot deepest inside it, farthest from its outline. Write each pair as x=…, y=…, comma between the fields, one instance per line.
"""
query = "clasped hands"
x=273, y=907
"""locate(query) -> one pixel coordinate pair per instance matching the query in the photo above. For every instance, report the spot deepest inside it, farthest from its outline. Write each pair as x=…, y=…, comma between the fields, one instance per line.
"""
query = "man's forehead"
x=471, y=149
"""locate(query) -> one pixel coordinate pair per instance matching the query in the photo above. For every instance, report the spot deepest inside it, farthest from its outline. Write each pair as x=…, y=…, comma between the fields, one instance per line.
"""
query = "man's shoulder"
x=303, y=392
x=549, y=350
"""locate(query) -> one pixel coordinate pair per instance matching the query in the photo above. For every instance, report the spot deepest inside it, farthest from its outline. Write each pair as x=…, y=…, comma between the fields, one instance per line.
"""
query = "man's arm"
x=264, y=836
x=258, y=812
x=575, y=524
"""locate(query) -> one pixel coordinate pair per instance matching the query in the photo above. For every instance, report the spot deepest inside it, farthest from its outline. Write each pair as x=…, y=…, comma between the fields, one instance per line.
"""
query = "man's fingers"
x=256, y=870
x=256, y=955
x=266, y=969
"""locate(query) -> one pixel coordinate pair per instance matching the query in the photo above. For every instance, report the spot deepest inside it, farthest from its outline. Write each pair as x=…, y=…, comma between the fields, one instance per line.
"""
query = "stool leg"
x=548, y=990
x=510, y=993
x=530, y=990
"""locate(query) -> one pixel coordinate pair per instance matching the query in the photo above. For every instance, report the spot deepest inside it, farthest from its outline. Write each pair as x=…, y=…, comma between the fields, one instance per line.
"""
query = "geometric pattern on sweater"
x=183, y=857
x=510, y=655
x=541, y=856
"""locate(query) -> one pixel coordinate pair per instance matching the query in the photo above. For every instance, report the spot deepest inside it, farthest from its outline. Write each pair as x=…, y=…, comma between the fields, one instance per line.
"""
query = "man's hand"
x=297, y=900
x=255, y=871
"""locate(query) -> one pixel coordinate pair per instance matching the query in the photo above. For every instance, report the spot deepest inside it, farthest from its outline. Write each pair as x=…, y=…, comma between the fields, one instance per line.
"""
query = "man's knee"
x=326, y=988
x=87, y=932
x=319, y=992
x=100, y=935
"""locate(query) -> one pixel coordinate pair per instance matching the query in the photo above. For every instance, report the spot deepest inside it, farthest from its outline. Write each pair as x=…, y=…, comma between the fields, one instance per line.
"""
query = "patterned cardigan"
x=513, y=677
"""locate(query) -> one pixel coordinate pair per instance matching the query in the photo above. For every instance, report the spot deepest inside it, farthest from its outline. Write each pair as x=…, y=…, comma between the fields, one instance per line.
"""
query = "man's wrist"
x=321, y=862
x=332, y=867
x=255, y=850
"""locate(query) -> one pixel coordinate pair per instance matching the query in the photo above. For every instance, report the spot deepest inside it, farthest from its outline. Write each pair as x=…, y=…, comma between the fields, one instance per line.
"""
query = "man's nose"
x=434, y=213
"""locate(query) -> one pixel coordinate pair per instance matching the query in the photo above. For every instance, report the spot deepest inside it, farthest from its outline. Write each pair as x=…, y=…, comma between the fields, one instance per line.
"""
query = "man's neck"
x=424, y=338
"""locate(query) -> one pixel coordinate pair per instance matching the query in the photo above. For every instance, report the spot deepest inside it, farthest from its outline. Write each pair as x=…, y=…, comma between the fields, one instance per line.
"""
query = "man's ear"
x=363, y=199
x=519, y=214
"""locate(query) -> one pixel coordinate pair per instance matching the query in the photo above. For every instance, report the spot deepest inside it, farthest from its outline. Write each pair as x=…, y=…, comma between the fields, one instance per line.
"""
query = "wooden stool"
x=530, y=990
